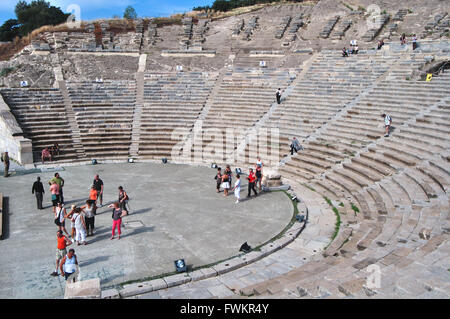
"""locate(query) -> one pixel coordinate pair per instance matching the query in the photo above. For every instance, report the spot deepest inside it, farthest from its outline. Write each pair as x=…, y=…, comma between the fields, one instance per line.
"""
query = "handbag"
x=54, y=196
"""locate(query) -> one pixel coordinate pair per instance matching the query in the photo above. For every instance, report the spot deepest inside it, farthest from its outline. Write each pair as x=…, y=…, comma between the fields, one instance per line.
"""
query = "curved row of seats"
x=244, y=96
x=394, y=207
x=329, y=85
x=42, y=116
x=172, y=104
x=104, y=114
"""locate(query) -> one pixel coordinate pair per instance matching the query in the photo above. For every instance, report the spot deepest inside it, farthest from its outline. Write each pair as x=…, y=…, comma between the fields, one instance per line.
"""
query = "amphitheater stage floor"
x=175, y=213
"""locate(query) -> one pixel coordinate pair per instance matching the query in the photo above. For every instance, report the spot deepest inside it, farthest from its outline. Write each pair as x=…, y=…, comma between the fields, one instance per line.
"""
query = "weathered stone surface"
x=87, y=289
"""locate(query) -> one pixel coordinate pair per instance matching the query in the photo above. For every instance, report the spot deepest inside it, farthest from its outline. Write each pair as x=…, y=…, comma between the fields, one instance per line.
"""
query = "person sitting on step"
x=46, y=154
x=344, y=52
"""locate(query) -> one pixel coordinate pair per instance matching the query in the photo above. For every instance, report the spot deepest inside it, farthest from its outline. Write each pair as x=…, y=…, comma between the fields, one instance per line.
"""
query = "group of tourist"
x=354, y=47
x=413, y=40
x=82, y=219
x=225, y=180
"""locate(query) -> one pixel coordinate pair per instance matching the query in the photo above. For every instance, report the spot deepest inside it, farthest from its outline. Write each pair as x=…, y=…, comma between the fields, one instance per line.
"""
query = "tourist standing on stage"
x=117, y=215
x=123, y=198
x=258, y=168
x=251, y=182
x=54, y=190
x=69, y=264
x=98, y=184
x=60, y=181
x=237, y=188
x=218, y=179
x=229, y=173
x=69, y=217
x=38, y=191
x=61, y=252
x=60, y=213
x=78, y=219
x=89, y=210
x=226, y=183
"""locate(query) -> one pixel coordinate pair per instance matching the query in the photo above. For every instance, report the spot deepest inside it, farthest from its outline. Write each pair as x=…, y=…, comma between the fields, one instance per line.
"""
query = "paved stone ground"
x=180, y=213
x=311, y=242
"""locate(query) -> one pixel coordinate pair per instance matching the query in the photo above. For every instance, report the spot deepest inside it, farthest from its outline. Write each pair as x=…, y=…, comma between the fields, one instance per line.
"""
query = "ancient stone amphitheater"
x=369, y=200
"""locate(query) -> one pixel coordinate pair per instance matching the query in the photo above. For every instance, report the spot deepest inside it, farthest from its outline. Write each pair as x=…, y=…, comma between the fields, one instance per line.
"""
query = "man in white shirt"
x=387, y=124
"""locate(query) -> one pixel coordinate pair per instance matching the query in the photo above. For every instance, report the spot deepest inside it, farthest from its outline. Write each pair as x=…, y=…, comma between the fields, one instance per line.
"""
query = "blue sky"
x=95, y=9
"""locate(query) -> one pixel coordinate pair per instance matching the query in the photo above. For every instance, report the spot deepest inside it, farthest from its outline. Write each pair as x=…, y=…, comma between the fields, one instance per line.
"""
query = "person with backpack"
x=387, y=124
x=60, y=213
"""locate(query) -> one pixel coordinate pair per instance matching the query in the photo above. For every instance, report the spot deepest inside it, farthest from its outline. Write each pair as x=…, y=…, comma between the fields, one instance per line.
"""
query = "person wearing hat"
x=5, y=160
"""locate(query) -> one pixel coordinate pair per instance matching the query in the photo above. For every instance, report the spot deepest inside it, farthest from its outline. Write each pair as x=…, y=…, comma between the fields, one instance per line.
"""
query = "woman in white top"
x=60, y=213
x=89, y=213
x=80, y=226
x=237, y=188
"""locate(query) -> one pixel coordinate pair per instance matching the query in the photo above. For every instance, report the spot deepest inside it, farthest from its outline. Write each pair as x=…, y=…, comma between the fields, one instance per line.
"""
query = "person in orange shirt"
x=61, y=251
x=93, y=194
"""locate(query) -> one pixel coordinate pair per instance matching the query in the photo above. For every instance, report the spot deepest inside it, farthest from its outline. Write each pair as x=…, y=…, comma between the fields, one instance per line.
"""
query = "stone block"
x=86, y=289
x=110, y=294
x=177, y=279
x=136, y=289
x=229, y=265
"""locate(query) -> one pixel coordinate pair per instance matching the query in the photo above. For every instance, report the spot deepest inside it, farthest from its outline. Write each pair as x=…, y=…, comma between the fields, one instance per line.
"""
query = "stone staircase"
x=76, y=135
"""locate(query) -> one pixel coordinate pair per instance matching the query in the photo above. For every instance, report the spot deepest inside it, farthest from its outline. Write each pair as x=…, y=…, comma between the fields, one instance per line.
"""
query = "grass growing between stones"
x=345, y=4
x=338, y=219
x=355, y=209
x=307, y=186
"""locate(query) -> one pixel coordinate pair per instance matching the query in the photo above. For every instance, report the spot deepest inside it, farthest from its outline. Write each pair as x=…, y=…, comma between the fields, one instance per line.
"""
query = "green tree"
x=9, y=30
x=32, y=16
x=130, y=13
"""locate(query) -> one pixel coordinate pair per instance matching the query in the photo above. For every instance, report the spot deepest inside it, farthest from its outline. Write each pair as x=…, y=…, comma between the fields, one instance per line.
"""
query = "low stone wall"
x=11, y=137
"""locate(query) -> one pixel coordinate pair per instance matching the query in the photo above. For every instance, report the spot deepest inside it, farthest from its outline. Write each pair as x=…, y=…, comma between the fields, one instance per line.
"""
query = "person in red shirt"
x=61, y=251
x=251, y=182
